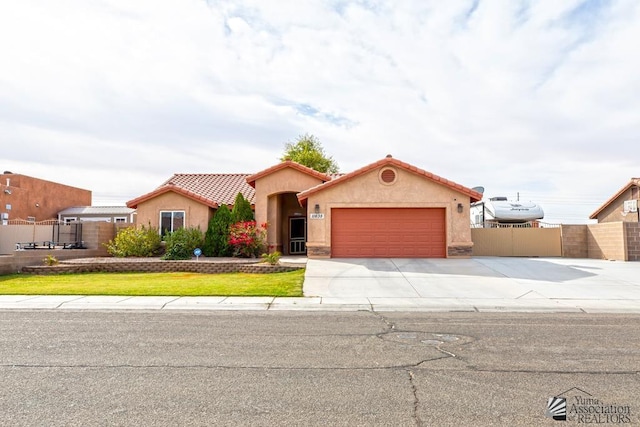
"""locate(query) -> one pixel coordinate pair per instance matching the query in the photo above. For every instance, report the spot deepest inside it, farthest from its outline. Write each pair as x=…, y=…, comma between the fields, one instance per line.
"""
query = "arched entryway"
x=291, y=225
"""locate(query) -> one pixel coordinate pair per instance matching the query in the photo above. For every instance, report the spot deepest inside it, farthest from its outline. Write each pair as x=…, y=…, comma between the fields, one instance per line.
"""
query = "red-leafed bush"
x=247, y=238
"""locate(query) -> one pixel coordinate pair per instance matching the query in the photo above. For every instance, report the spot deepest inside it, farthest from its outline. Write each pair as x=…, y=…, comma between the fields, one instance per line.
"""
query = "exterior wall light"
x=460, y=208
x=317, y=208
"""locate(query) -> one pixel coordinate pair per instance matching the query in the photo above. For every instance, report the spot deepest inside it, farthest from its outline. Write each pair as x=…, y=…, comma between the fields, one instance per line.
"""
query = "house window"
x=120, y=219
x=171, y=221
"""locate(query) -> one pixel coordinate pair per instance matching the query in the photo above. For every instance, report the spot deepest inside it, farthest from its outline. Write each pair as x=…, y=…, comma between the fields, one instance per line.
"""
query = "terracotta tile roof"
x=631, y=183
x=251, y=180
x=474, y=195
x=211, y=189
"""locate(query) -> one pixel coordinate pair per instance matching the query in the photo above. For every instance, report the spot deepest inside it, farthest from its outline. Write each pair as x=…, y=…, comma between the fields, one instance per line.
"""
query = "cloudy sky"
x=536, y=98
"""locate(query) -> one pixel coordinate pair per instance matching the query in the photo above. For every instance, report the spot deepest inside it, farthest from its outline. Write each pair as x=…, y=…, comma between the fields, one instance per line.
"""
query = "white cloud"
x=531, y=97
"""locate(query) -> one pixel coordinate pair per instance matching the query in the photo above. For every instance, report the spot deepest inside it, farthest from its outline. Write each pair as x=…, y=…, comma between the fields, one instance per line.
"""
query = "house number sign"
x=316, y=216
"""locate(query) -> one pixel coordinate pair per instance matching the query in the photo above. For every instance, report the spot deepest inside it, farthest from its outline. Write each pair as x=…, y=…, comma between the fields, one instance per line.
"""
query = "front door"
x=297, y=236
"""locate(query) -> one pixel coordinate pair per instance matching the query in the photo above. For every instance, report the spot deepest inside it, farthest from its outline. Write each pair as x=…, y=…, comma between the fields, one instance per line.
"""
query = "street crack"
x=416, y=399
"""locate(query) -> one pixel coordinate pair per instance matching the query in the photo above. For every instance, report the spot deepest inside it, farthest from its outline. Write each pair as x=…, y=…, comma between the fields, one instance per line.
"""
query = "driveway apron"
x=557, y=280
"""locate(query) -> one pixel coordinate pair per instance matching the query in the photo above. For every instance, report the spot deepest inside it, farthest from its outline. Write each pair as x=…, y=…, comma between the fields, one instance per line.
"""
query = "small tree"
x=216, y=240
x=241, y=210
x=307, y=150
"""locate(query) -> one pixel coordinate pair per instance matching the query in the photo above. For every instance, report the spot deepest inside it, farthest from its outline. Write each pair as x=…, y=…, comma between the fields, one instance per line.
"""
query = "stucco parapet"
x=251, y=180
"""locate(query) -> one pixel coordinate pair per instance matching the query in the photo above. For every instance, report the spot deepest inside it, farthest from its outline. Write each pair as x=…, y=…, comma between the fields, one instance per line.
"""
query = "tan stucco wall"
x=196, y=214
x=408, y=191
x=614, y=212
x=268, y=207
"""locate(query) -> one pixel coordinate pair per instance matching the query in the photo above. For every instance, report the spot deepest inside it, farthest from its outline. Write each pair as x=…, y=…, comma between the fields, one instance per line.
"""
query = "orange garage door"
x=388, y=233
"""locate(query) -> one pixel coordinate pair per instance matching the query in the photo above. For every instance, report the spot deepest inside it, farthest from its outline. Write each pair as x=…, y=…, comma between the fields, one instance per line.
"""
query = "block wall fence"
x=612, y=240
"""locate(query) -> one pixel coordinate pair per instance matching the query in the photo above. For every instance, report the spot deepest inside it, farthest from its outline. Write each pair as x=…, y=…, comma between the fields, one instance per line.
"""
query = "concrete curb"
x=172, y=303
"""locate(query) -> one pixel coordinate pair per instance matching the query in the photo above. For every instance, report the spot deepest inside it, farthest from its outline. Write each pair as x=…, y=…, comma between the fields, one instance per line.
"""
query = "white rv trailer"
x=500, y=210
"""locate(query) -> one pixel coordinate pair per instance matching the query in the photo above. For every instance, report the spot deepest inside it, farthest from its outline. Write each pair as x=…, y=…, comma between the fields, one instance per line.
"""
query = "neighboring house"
x=189, y=200
x=34, y=199
x=115, y=214
x=622, y=206
x=386, y=209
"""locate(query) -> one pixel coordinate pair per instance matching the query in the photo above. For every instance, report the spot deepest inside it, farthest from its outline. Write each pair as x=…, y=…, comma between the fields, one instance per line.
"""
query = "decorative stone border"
x=158, y=266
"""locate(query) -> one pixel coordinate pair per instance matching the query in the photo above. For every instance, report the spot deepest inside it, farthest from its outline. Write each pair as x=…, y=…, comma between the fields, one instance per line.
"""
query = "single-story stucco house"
x=385, y=209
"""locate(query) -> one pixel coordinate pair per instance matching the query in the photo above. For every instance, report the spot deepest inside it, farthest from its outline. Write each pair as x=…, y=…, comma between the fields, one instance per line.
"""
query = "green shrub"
x=216, y=239
x=272, y=258
x=50, y=260
x=181, y=243
x=241, y=211
x=178, y=250
x=135, y=242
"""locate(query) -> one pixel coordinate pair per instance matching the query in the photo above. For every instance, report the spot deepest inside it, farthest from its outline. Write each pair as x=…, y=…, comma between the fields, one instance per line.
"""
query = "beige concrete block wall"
x=632, y=232
x=606, y=241
x=574, y=241
x=95, y=234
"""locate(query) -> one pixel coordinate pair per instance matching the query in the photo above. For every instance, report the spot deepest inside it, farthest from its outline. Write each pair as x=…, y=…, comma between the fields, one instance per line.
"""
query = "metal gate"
x=68, y=235
x=513, y=241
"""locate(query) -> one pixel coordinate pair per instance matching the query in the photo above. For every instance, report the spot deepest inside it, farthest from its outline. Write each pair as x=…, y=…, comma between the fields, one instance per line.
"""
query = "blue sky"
x=536, y=98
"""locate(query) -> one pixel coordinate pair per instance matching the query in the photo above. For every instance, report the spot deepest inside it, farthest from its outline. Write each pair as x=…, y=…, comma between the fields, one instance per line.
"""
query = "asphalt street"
x=308, y=368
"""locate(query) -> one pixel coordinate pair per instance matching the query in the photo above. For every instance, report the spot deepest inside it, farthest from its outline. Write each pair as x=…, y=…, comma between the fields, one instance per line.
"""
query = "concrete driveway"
x=482, y=283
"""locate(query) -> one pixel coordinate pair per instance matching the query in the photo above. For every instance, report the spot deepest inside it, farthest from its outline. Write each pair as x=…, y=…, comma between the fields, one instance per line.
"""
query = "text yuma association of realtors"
x=592, y=411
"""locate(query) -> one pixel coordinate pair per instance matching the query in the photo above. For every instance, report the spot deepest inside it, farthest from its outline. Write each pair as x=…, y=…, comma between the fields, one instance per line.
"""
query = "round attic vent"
x=388, y=176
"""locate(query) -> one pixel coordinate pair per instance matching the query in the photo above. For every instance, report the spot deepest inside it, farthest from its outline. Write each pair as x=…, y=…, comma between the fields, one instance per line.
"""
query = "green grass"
x=176, y=284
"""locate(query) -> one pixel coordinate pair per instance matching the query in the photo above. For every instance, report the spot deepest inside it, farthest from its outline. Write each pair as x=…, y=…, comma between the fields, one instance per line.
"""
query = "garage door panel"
x=383, y=233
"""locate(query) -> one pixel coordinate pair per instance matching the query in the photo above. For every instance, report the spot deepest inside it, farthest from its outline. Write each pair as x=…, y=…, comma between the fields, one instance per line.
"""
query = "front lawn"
x=157, y=284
